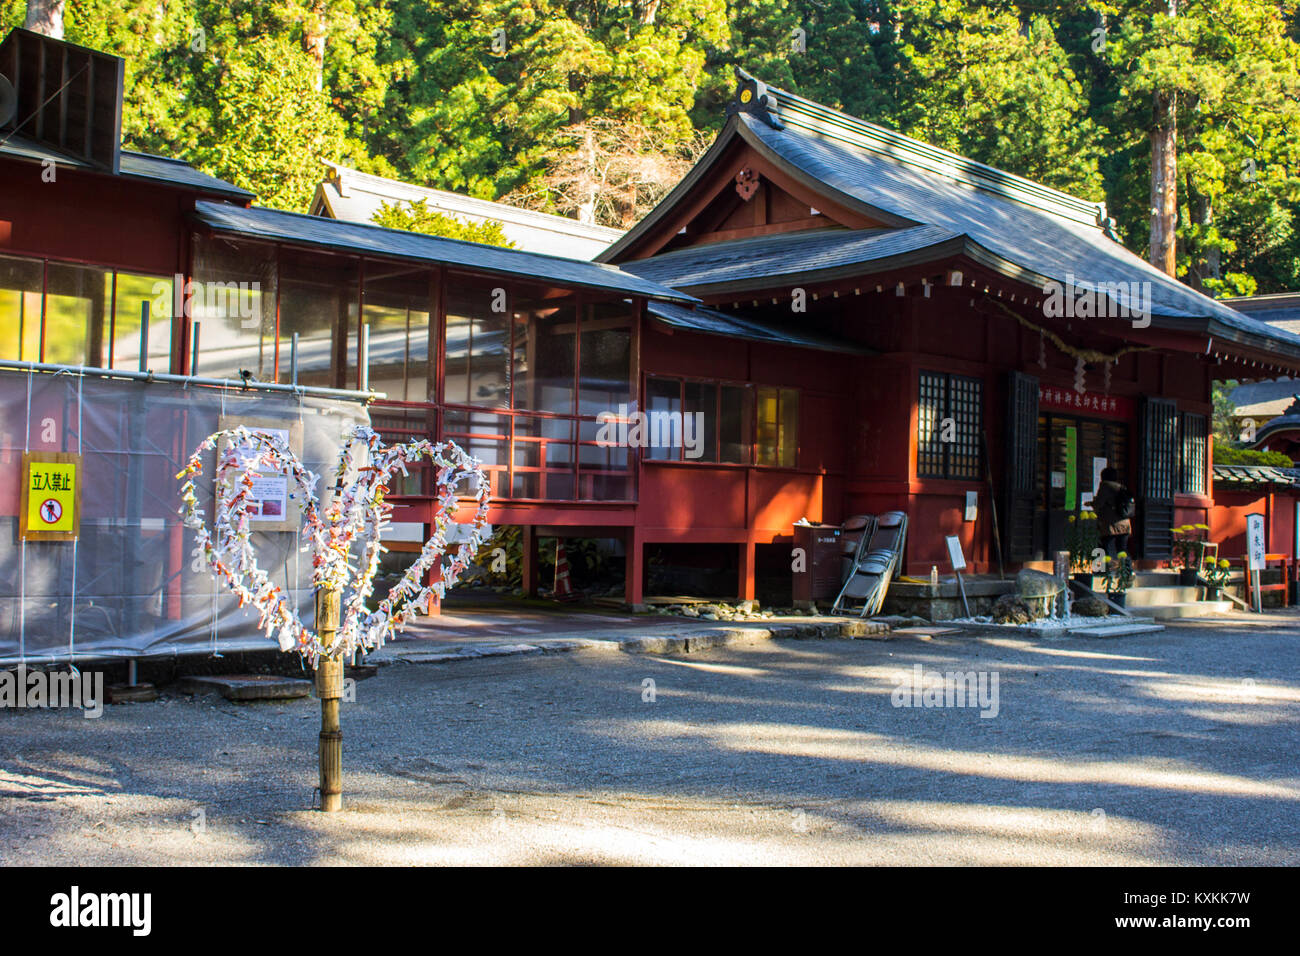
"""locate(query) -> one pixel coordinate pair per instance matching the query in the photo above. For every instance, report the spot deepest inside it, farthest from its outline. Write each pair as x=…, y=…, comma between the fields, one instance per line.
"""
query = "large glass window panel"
x=733, y=424
x=20, y=308
x=131, y=295
x=398, y=424
x=769, y=425
x=605, y=366
x=789, y=453
x=778, y=427
x=604, y=471
x=544, y=346
x=318, y=300
x=232, y=296
x=396, y=309
x=700, y=421
x=543, y=458
x=560, y=482
x=663, y=399
x=478, y=342
x=77, y=304
x=486, y=437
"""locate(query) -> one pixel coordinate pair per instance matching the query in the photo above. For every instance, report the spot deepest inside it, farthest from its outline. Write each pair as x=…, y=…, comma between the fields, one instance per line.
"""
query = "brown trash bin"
x=821, y=578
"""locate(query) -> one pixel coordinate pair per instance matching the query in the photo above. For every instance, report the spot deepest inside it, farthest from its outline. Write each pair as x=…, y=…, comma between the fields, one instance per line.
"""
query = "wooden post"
x=633, y=582
x=745, y=584
x=329, y=688
x=529, y=571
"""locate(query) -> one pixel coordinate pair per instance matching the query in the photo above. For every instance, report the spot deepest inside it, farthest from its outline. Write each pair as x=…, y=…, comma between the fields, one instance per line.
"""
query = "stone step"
x=1116, y=630
x=1154, y=596
x=1181, y=609
x=1111, y=619
x=1155, y=579
x=132, y=693
x=241, y=687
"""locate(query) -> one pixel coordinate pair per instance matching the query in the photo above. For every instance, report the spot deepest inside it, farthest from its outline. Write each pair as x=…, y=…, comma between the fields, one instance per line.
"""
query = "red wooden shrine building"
x=989, y=304
x=858, y=319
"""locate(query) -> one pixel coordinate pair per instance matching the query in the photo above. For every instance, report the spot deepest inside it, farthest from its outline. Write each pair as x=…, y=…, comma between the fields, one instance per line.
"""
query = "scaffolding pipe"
x=365, y=357
x=144, y=335
x=191, y=380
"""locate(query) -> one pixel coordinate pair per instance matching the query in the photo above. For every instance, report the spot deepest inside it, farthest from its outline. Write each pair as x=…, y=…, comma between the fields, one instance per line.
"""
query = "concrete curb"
x=683, y=642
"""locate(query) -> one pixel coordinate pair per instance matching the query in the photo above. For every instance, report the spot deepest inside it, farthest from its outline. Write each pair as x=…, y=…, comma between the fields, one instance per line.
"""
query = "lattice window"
x=931, y=408
x=950, y=418
x=1195, y=431
x=1161, y=446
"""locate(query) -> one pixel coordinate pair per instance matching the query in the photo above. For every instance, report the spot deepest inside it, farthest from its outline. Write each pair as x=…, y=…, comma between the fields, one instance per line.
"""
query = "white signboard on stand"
x=1255, y=548
x=955, y=556
x=1255, y=553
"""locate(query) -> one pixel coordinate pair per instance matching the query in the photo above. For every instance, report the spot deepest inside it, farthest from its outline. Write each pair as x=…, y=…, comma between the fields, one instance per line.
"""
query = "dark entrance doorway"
x=1071, y=453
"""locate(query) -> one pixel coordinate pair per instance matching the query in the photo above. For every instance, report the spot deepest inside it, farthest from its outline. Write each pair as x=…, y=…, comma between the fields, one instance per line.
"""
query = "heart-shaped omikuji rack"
x=357, y=514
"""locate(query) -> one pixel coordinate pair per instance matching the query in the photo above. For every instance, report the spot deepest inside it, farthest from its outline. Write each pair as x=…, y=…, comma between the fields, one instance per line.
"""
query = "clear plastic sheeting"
x=130, y=586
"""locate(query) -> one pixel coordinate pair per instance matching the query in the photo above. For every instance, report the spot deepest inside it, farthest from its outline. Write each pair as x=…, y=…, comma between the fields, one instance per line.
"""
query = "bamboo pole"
x=329, y=688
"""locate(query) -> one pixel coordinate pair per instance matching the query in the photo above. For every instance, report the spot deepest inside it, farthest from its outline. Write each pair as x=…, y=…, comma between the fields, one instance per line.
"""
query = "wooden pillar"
x=746, y=582
x=528, y=541
x=1270, y=515
x=329, y=688
x=432, y=576
x=634, y=575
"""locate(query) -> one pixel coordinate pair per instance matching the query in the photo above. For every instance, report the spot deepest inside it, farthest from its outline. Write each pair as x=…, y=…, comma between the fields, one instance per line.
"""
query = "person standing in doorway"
x=1114, y=506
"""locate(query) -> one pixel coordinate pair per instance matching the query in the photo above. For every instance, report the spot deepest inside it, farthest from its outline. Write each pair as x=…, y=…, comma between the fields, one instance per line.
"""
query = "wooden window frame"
x=945, y=382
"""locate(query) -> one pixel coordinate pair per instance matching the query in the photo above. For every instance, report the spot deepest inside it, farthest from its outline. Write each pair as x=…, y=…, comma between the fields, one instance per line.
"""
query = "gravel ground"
x=1172, y=748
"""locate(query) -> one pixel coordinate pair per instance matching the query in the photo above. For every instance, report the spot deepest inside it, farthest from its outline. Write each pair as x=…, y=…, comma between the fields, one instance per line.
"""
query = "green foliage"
x=1119, y=573
x=1223, y=428
x=1059, y=91
x=980, y=87
x=1082, y=540
x=1225, y=454
x=269, y=124
x=416, y=216
x=1189, y=545
x=1233, y=68
x=588, y=560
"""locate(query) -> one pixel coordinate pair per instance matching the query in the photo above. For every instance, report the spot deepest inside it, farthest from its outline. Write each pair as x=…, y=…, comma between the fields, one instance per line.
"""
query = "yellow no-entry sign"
x=51, y=505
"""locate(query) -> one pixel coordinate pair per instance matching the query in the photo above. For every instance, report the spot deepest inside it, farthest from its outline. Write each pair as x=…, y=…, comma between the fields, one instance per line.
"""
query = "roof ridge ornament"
x=752, y=97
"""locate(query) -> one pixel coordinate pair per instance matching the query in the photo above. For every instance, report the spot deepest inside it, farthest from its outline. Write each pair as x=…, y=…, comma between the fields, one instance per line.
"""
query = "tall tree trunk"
x=1164, y=184
x=589, y=187
x=1164, y=175
x=314, y=33
x=45, y=16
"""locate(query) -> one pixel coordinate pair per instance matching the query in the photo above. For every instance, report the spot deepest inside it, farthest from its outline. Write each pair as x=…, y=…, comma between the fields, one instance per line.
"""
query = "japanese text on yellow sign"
x=52, y=496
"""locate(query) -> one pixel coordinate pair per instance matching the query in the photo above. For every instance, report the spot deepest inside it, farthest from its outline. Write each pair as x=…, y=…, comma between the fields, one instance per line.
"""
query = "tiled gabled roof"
x=1281, y=310
x=762, y=261
x=1256, y=475
x=713, y=322
x=1025, y=230
x=354, y=196
x=333, y=234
